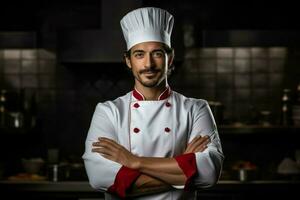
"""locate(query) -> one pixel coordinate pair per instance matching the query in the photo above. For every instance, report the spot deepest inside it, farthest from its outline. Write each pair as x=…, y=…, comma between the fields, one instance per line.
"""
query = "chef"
x=152, y=143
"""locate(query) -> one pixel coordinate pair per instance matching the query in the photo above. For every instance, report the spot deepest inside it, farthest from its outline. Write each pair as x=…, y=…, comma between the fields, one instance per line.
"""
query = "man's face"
x=149, y=63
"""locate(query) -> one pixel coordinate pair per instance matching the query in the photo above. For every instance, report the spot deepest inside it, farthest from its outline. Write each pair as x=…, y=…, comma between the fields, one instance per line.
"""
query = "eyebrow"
x=142, y=51
x=138, y=51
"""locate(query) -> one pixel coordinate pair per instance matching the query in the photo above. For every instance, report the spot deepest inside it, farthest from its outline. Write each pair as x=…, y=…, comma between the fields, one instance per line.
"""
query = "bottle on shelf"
x=28, y=108
x=3, y=102
x=296, y=107
x=286, y=115
x=24, y=106
x=33, y=110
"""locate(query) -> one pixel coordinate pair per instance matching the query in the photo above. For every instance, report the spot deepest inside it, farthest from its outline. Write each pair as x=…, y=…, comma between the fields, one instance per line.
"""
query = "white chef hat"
x=147, y=24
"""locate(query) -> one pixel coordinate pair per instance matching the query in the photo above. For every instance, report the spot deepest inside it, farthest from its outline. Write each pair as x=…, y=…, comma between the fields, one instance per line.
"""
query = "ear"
x=171, y=59
x=128, y=63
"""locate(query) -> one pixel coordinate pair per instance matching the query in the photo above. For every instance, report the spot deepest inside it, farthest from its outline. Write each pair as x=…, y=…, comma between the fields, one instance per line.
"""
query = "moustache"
x=149, y=70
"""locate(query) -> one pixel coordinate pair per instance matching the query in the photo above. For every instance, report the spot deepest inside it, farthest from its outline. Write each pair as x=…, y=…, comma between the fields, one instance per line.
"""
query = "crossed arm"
x=158, y=174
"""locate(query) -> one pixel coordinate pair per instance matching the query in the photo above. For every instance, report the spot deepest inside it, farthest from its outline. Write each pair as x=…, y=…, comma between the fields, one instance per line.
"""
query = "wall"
x=244, y=79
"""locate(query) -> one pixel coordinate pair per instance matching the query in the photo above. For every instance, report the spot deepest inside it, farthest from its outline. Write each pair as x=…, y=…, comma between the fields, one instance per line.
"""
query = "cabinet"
x=15, y=144
x=266, y=147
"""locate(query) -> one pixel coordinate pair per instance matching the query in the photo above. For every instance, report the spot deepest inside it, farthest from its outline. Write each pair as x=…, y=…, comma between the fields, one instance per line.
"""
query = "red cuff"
x=187, y=162
x=124, y=179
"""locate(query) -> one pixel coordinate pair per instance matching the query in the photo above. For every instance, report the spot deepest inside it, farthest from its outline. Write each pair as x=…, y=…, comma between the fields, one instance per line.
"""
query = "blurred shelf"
x=8, y=131
x=257, y=129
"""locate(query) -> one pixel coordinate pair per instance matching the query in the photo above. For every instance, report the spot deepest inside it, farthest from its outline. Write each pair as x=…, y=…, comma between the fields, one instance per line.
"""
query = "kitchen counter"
x=83, y=186
x=230, y=189
x=47, y=186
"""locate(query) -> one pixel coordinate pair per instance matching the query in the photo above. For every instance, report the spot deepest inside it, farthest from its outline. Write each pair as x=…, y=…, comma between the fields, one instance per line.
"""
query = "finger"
x=199, y=138
x=207, y=137
x=202, y=140
x=102, y=151
x=100, y=140
x=106, y=145
x=109, y=157
x=192, y=145
x=107, y=139
x=99, y=150
x=196, y=142
x=201, y=148
x=195, y=139
x=110, y=141
x=96, y=144
x=111, y=146
x=207, y=141
x=188, y=150
x=199, y=144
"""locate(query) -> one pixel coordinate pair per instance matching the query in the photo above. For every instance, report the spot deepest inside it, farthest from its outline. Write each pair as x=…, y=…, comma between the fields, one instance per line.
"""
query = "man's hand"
x=113, y=151
x=198, y=144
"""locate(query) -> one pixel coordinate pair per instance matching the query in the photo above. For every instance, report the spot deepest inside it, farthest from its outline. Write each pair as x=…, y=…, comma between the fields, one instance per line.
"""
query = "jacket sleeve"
x=209, y=162
x=103, y=174
x=203, y=169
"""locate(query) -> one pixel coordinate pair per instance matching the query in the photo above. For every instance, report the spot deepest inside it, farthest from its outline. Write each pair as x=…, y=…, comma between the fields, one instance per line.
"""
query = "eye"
x=139, y=55
x=158, y=54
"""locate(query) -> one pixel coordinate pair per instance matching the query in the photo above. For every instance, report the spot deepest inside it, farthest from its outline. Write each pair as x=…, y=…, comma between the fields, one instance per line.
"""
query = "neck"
x=151, y=93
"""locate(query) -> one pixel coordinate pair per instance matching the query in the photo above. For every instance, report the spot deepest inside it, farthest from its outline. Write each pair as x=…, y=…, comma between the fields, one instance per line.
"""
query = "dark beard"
x=149, y=84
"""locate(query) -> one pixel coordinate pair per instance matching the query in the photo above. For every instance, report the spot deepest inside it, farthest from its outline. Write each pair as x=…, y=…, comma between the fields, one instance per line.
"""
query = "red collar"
x=140, y=97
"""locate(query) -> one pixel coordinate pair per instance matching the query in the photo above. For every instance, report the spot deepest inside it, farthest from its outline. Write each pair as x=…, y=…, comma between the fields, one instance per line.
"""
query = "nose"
x=149, y=60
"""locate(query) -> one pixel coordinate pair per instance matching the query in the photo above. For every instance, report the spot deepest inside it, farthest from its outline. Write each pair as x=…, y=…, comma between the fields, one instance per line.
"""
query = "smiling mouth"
x=150, y=74
x=149, y=71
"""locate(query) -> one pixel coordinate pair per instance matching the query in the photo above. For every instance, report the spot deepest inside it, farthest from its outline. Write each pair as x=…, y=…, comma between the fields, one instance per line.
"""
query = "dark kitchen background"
x=58, y=59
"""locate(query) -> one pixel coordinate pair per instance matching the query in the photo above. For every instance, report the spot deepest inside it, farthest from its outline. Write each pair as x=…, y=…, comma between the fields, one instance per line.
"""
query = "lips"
x=150, y=74
x=149, y=71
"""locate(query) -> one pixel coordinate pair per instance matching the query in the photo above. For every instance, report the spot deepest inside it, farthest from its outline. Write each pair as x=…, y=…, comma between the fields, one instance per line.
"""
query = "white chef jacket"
x=161, y=128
